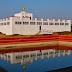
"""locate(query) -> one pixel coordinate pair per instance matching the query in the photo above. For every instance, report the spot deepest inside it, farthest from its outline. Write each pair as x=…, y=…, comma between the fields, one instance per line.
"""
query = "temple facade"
x=23, y=23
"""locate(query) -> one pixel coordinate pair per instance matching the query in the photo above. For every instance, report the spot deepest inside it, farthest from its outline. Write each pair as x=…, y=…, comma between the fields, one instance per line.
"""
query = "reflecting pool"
x=36, y=61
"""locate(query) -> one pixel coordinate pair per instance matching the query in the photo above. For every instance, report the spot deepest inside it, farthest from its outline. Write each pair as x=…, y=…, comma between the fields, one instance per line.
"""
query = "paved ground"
x=2, y=70
x=28, y=45
x=68, y=69
x=35, y=44
x=63, y=43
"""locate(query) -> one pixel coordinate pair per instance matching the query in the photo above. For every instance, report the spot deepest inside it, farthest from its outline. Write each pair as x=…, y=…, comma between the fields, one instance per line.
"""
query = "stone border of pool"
x=2, y=70
x=67, y=69
x=31, y=42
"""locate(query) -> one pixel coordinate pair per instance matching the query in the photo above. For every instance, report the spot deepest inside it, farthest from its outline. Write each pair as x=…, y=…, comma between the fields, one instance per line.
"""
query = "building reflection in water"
x=27, y=57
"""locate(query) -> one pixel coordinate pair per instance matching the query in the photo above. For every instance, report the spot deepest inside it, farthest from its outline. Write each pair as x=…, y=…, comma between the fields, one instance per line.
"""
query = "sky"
x=40, y=8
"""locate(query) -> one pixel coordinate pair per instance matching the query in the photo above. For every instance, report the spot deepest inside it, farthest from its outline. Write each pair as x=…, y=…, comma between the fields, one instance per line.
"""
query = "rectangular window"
x=32, y=23
x=45, y=53
x=1, y=23
x=8, y=23
x=62, y=51
x=39, y=23
x=51, y=23
x=4, y=23
x=45, y=23
x=25, y=23
x=66, y=50
x=56, y=23
x=15, y=22
x=20, y=22
x=61, y=23
x=66, y=23
x=51, y=52
x=40, y=54
x=26, y=56
x=33, y=55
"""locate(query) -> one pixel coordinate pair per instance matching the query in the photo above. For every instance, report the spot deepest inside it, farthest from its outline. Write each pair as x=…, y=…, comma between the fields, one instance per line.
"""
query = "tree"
x=71, y=27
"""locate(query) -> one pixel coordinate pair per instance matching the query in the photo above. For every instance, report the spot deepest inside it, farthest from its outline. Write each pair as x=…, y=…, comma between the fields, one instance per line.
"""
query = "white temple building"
x=22, y=23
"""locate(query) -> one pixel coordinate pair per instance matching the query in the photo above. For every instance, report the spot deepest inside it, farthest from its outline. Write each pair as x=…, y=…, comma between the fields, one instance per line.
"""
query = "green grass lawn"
x=19, y=36
x=9, y=36
x=68, y=35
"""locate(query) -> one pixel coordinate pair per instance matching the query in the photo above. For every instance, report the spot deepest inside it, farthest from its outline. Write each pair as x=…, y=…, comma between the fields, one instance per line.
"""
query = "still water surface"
x=36, y=61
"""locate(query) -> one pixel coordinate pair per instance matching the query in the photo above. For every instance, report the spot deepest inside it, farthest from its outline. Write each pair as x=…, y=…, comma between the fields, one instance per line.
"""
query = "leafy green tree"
x=71, y=27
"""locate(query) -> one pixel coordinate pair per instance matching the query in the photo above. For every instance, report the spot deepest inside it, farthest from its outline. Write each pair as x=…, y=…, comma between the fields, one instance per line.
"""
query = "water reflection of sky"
x=39, y=65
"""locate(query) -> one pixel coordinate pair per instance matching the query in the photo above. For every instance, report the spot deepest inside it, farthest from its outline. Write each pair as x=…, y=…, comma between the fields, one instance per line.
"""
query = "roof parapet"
x=47, y=19
x=53, y=19
x=3, y=19
x=35, y=18
x=41, y=19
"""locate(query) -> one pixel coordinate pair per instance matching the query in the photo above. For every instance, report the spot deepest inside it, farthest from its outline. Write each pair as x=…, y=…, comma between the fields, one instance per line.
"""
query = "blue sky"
x=40, y=8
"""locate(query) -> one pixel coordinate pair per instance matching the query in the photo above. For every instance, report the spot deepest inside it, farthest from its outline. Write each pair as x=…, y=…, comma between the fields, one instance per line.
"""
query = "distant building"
x=22, y=23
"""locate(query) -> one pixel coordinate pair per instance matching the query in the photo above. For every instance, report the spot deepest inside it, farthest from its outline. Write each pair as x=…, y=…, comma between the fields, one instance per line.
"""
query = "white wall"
x=34, y=29
x=24, y=14
x=24, y=29
x=6, y=29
